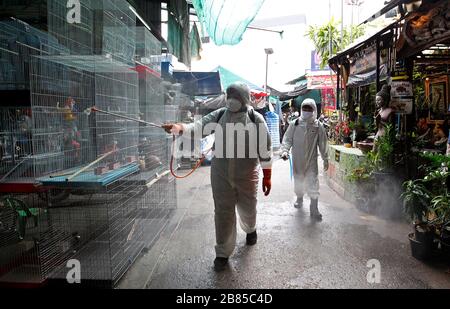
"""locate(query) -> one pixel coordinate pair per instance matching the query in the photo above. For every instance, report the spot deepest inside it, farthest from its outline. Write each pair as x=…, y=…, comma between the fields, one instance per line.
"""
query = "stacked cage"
x=22, y=213
x=19, y=43
x=99, y=193
x=154, y=143
x=100, y=172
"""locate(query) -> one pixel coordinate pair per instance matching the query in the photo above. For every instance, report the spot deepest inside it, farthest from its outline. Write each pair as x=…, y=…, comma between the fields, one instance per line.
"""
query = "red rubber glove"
x=267, y=181
x=173, y=128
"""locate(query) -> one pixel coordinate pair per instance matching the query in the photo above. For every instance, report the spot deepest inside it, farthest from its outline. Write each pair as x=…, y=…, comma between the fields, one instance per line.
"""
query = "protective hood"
x=238, y=97
x=312, y=103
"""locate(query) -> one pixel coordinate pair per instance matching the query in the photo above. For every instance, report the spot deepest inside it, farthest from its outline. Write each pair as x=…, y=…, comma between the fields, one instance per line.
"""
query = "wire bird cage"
x=148, y=50
x=18, y=43
x=103, y=189
x=115, y=37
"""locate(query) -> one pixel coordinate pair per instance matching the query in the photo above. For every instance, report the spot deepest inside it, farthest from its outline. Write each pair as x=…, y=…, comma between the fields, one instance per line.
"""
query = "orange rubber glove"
x=267, y=181
x=173, y=128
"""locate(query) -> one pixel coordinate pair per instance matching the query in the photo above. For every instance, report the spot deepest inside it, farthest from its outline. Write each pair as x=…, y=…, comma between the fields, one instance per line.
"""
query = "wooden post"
x=378, y=64
x=338, y=92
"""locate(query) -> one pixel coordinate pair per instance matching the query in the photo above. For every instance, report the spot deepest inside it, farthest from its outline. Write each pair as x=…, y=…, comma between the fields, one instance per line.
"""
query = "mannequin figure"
x=384, y=114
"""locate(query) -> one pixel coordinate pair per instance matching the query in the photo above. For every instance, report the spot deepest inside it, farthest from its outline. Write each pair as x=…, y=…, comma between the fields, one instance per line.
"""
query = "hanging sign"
x=321, y=81
x=363, y=61
x=402, y=97
x=366, y=60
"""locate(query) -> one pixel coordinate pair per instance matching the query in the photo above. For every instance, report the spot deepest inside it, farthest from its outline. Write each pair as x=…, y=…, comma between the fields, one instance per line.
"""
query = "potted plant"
x=427, y=203
x=362, y=176
x=342, y=131
x=384, y=151
x=416, y=199
x=445, y=239
x=440, y=205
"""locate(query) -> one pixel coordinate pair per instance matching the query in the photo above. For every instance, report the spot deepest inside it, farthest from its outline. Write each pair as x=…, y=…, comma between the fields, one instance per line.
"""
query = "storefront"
x=401, y=160
x=317, y=85
x=412, y=58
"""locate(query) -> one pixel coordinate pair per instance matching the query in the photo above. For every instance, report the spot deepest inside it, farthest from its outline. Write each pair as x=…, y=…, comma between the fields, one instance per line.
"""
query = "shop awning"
x=384, y=37
x=366, y=78
x=309, y=94
x=302, y=89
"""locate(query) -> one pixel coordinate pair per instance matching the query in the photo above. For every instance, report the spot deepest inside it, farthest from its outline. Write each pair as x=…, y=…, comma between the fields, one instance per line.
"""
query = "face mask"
x=234, y=105
x=307, y=115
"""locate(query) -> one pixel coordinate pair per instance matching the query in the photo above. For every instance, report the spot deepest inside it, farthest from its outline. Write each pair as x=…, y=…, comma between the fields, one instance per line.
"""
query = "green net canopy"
x=227, y=78
x=226, y=20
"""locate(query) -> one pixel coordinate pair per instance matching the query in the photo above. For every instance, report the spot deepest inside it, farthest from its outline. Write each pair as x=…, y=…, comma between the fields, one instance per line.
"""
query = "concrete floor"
x=292, y=251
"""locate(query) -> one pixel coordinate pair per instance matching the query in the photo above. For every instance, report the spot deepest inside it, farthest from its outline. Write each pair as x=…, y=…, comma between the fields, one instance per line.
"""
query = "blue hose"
x=290, y=167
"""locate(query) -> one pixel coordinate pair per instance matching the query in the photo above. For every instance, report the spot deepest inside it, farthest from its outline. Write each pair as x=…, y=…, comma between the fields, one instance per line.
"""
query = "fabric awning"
x=226, y=20
x=295, y=93
x=367, y=78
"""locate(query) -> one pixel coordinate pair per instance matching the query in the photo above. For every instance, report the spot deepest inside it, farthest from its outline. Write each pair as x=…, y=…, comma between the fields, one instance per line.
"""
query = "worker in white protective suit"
x=235, y=173
x=305, y=135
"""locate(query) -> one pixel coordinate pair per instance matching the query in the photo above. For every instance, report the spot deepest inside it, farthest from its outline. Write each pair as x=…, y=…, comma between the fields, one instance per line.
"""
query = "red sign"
x=321, y=81
x=328, y=99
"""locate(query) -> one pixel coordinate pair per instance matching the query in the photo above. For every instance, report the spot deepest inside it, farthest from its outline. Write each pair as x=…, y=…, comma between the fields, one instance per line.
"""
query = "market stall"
x=394, y=87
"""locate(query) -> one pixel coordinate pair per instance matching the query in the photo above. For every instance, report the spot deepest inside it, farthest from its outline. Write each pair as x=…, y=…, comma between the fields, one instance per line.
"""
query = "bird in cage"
x=23, y=137
x=72, y=137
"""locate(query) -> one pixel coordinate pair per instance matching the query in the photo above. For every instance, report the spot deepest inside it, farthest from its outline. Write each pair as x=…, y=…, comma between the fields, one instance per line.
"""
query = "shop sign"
x=366, y=60
x=321, y=82
x=337, y=156
x=402, y=96
x=328, y=99
x=315, y=62
x=400, y=72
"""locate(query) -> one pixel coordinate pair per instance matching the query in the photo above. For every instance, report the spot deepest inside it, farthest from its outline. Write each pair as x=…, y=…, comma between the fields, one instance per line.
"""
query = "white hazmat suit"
x=234, y=179
x=306, y=135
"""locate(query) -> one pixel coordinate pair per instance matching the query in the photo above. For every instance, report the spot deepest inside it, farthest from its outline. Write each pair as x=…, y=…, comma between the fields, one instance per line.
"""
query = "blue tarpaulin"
x=199, y=83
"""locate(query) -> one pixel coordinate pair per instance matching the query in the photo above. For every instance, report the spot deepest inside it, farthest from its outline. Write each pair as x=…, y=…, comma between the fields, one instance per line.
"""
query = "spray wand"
x=94, y=109
x=90, y=110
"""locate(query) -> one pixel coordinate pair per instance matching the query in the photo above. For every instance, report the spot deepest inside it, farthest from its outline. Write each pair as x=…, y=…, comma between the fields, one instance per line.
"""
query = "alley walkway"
x=292, y=251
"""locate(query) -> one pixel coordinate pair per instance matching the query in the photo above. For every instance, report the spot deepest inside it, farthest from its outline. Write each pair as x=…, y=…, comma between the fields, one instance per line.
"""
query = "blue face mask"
x=307, y=115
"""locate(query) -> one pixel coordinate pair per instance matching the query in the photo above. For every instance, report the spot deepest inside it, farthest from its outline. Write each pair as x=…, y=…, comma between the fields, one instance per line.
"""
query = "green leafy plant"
x=378, y=160
x=416, y=199
x=419, y=90
x=328, y=37
x=434, y=161
x=365, y=170
x=427, y=200
x=384, y=160
x=441, y=207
